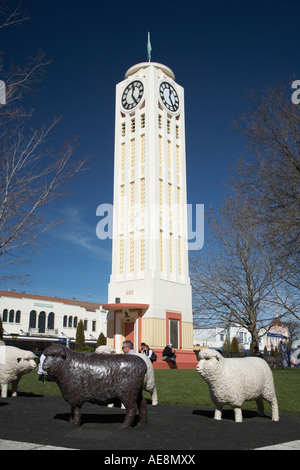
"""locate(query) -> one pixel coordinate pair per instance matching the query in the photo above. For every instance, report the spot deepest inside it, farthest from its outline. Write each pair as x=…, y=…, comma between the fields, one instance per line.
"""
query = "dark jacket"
x=168, y=352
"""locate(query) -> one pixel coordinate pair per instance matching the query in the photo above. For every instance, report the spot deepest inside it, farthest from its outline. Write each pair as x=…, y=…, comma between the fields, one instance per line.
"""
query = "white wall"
x=60, y=309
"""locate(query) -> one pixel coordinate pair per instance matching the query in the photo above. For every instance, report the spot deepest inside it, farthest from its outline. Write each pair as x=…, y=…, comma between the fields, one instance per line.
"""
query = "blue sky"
x=218, y=50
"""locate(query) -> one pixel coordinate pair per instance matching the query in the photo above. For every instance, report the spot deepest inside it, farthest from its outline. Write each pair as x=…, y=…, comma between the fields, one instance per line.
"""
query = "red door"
x=129, y=332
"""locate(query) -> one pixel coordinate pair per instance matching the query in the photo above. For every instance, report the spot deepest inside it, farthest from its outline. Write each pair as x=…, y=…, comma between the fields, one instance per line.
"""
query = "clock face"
x=132, y=95
x=169, y=96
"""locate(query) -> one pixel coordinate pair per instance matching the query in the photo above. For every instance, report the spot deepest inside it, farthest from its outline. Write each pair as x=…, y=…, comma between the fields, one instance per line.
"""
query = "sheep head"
x=55, y=356
x=210, y=362
x=25, y=362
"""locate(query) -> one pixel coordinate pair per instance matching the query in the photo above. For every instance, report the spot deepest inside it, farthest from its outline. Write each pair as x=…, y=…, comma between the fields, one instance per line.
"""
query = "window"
x=50, y=321
x=42, y=322
x=173, y=329
x=174, y=332
x=32, y=319
x=65, y=321
x=4, y=315
x=94, y=325
x=75, y=322
x=133, y=125
x=85, y=324
x=70, y=322
x=18, y=316
x=11, y=316
x=123, y=129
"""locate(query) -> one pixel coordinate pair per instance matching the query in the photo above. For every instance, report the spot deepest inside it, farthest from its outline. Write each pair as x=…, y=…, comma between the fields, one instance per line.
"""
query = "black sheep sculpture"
x=98, y=378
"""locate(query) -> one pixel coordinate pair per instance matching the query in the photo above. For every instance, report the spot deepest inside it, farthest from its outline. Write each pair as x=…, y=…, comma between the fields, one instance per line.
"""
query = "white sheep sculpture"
x=233, y=381
x=149, y=381
x=14, y=363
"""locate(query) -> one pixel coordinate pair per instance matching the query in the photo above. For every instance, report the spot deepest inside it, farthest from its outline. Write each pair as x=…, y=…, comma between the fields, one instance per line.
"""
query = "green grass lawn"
x=186, y=387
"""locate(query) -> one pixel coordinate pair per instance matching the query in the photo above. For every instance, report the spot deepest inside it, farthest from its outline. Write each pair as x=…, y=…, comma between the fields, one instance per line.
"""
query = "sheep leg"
x=260, y=407
x=143, y=410
x=154, y=397
x=75, y=417
x=3, y=390
x=130, y=414
x=14, y=387
x=275, y=411
x=238, y=417
x=218, y=413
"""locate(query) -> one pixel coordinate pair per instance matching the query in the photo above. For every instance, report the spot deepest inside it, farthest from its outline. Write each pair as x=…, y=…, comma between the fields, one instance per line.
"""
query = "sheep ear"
x=63, y=354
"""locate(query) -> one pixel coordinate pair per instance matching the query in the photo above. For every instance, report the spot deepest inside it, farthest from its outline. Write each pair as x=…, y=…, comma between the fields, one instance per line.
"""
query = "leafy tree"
x=101, y=340
x=80, y=338
x=235, y=348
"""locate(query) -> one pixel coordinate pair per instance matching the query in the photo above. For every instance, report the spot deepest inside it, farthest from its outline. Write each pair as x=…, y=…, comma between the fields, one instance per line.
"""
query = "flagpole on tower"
x=149, y=48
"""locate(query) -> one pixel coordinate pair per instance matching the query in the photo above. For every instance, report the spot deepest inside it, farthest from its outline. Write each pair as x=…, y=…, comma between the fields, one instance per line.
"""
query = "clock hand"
x=132, y=96
x=170, y=98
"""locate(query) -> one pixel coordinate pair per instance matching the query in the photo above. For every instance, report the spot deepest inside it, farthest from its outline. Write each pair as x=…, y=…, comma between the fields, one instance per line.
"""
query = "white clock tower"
x=149, y=296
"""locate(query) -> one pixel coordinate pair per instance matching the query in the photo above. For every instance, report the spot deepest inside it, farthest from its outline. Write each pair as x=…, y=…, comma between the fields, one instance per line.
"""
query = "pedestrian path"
x=16, y=445
x=293, y=445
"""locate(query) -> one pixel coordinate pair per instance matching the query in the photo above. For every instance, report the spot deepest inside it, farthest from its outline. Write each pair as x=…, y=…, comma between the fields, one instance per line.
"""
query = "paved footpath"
x=41, y=423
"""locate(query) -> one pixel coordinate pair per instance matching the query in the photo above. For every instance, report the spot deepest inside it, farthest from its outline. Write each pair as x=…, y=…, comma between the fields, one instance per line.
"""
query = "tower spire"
x=149, y=48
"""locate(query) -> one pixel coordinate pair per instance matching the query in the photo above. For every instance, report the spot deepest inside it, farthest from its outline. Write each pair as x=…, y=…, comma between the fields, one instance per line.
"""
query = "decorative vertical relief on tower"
x=150, y=257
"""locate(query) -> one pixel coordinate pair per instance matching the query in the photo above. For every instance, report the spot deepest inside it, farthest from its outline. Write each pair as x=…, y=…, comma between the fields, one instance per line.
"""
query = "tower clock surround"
x=150, y=273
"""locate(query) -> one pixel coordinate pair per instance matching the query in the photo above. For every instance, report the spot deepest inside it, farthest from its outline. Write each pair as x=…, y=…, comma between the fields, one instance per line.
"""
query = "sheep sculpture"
x=233, y=381
x=98, y=378
x=14, y=363
x=149, y=380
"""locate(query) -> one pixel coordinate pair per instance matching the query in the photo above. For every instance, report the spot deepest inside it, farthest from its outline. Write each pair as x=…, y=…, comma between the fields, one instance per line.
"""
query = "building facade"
x=35, y=318
x=214, y=336
x=149, y=294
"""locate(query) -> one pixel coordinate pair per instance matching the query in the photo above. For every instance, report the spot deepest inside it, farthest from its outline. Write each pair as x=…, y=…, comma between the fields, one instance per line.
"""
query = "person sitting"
x=169, y=355
x=127, y=347
x=148, y=352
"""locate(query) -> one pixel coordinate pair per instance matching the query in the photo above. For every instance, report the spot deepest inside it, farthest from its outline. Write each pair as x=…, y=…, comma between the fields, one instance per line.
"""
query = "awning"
x=122, y=306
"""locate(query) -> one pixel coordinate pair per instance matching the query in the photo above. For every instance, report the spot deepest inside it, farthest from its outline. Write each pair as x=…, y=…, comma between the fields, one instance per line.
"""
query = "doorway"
x=129, y=332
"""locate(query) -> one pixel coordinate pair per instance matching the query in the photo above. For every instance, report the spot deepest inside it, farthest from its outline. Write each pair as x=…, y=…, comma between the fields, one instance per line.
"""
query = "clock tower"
x=149, y=295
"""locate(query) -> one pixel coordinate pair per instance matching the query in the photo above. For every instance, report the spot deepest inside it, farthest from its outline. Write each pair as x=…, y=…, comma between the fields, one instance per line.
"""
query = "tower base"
x=184, y=360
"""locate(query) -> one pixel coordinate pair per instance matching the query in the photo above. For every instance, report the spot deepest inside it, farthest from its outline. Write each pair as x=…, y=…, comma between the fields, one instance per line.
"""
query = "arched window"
x=85, y=324
x=65, y=321
x=50, y=321
x=11, y=317
x=75, y=322
x=32, y=319
x=4, y=315
x=42, y=322
x=18, y=316
x=70, y=322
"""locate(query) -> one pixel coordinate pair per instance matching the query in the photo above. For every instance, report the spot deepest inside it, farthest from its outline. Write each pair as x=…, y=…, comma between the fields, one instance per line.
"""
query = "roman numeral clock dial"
x=169, y=96
x=132, y=95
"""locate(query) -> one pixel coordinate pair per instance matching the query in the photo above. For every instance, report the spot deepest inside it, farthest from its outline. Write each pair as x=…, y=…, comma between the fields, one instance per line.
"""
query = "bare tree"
x=12, y=16
x=271, y=180
x=32, y=174
x=231, y=283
